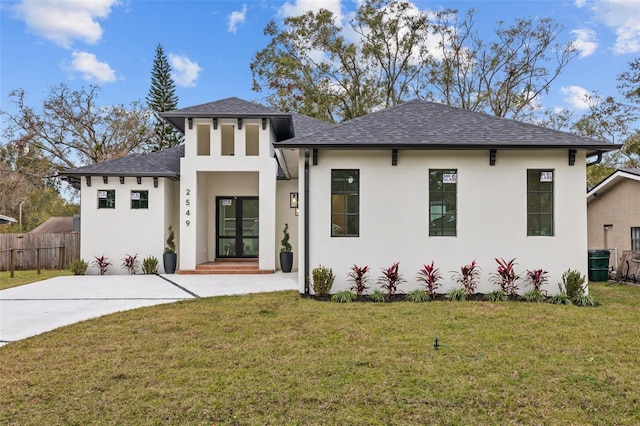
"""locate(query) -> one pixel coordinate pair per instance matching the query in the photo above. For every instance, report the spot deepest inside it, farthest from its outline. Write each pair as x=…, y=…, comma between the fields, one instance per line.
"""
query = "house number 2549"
x=187, y=203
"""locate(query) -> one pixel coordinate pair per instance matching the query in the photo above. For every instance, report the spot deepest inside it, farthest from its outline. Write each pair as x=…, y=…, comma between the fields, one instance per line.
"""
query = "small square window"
x=106, y=198
x=139, y=199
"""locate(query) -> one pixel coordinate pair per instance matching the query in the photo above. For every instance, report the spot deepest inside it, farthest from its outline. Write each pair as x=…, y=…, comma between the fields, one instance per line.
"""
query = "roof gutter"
x=596, y=161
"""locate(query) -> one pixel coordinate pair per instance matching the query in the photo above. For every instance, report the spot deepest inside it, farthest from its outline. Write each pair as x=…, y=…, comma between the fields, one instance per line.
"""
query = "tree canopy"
x=72, y=129
x=391, y=52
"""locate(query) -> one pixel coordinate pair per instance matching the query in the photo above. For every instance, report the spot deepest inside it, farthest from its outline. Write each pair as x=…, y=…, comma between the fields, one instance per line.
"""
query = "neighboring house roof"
x=6, y=219
x=165, y=163
x=281, y=122
x=54, y=225
x=611, y=180
x=421, y=124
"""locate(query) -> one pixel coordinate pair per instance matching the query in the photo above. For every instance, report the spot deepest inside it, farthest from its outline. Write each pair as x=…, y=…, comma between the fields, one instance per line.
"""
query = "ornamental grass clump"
x=430, y=276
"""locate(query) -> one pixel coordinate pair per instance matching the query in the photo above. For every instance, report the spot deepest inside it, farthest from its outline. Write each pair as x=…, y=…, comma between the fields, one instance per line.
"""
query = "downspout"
x=306, y=222
x=596, y=161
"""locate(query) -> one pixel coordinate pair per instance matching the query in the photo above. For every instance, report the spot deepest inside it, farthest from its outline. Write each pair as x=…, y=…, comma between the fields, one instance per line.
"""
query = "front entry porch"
x=227, y=266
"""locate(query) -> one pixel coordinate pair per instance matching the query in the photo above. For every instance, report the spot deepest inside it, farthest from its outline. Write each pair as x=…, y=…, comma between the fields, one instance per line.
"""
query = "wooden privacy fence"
x=38, y=251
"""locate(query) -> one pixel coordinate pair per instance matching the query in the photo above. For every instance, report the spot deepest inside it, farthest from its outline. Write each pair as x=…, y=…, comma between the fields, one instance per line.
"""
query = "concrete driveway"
x=36, y=308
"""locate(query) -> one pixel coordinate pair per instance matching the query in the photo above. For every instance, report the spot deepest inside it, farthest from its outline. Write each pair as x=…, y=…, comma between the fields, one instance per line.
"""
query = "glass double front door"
x=237, y=227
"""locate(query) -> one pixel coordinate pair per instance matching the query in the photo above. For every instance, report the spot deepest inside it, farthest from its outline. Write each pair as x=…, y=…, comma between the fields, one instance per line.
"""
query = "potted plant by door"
x=170, y=258
x=286, y=255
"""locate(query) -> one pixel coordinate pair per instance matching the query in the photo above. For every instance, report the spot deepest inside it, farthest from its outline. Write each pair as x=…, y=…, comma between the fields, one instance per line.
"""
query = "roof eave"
x=591, y=149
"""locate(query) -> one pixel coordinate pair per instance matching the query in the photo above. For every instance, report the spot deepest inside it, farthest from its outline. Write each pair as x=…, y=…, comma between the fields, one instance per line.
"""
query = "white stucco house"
x=417, y=182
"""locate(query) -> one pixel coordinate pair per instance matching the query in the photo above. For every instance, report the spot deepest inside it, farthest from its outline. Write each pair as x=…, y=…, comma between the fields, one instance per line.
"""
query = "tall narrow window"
x=635, y=238
x=345, y=203
x=540, y=202
x=252, y=135
x=228, y=134
x=443, y=212
x=139, y=199
x=107, y=199
x=203, y=134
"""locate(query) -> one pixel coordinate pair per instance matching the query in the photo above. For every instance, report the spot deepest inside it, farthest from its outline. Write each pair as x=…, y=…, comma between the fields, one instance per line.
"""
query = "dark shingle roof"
x=303, y=125
x=232, y=108
x=421, y=124
x=165, y=163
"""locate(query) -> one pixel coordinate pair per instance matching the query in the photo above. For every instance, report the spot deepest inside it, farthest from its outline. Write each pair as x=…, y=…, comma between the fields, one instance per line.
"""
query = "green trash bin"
x=599, y=265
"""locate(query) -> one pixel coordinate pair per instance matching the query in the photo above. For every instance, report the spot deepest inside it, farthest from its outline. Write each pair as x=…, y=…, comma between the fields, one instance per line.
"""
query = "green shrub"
x=322, y=280
x=418, y=295
x=78, y=267
x=457, y=294
x=378, y=296
x=496, y=296
x=533, y=296
x=150, y=265
x=344, y=296
x=573, y=281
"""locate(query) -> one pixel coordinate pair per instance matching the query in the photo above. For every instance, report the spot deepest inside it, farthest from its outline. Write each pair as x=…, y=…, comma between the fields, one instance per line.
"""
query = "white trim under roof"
x=609, y=182
x=6, y=219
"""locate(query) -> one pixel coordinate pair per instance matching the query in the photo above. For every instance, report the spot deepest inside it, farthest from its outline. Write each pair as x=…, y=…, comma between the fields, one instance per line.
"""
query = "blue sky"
x=210, y=44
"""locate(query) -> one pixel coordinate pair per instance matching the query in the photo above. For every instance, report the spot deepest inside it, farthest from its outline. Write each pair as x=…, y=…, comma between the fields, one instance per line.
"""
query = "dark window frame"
x=439, y=196
x=635, y=237
x=108, y=202
x=142, y=202
x=348, y=211
x=540, y=203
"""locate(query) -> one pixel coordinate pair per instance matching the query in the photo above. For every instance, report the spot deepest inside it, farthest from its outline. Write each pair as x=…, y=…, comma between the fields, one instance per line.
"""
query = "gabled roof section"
x=54, y=225
x=421, y=124
x=165, y=163
x=612, y=180
x=233, y=108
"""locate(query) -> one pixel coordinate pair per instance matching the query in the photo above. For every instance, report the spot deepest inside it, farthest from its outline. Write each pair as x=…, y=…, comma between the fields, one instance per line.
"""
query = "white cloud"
x=63, y=21
x=185, y=72
x=623, y=16
x=576, y=96
x=299, y=7
x=585, y=41
x=236, y=18
x=91, y=69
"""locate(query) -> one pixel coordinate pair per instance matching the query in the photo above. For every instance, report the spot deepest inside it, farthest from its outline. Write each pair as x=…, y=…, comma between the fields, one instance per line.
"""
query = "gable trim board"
x=393, y=151
x=613, y=211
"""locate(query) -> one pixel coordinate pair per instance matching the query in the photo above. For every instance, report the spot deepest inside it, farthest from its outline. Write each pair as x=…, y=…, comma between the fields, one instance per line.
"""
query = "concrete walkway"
x=36, y=308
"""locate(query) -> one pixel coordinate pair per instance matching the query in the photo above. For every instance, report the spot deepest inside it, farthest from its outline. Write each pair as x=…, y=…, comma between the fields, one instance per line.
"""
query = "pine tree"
x=162, y=97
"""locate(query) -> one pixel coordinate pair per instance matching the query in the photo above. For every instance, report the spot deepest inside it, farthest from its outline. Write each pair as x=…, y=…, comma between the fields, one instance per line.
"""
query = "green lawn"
x=26, y=277
x=281, y=359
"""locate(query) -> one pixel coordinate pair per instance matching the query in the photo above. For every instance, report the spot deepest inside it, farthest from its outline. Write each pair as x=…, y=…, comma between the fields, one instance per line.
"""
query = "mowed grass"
x=279, y=358
x=27, y=277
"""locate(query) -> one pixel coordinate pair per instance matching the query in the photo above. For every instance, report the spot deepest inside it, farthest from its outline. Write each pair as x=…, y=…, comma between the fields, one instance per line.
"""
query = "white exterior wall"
x=205, y=177
x=122, y=231
x=285, y=214
x=491, y=215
